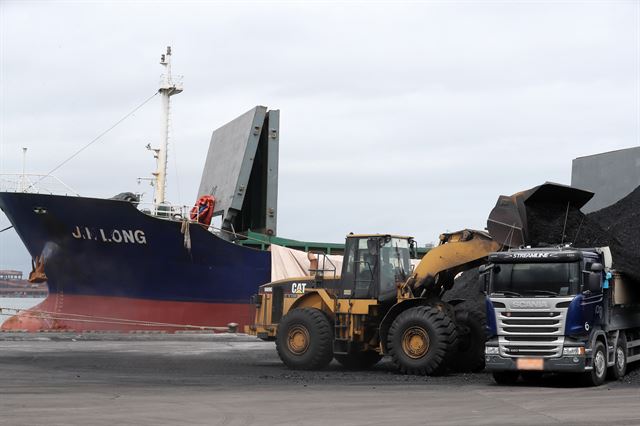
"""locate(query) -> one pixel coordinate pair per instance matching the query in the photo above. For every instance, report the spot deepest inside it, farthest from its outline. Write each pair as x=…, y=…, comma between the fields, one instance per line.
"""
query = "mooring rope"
x=6, y=229
x=82, y=318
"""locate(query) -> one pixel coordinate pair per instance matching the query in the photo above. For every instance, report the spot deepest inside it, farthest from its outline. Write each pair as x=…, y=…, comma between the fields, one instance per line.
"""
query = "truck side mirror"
x=484, y=271
x=593, y=282
x=596, y=267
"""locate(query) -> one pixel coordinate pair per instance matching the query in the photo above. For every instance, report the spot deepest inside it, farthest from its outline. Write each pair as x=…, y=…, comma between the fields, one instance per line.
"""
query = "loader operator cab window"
x=358, y=268
x=365, y=267
x=395, y=266
x=373, y=266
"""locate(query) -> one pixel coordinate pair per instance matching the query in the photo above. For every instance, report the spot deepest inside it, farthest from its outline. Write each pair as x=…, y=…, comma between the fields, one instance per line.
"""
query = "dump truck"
x=559, y=310
x=377, y=305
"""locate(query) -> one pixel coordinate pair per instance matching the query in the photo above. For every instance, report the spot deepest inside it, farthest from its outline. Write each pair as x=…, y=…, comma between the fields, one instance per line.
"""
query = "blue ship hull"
x=106, y=251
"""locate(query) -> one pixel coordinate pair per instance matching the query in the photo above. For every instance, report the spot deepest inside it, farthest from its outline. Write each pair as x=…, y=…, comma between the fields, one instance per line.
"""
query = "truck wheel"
x=619, y=368
x=470, y=326
x=506, y=377
x=420, y=340
x=358, y=360
x=598, y=373
x=304, y=339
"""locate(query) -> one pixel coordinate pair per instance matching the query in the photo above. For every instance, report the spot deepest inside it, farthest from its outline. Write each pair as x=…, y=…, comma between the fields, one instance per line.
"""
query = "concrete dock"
x=61, y=379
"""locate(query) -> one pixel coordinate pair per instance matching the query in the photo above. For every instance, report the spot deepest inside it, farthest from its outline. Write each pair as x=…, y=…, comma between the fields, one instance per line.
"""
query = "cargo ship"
x=113, y=264
x=110, y=266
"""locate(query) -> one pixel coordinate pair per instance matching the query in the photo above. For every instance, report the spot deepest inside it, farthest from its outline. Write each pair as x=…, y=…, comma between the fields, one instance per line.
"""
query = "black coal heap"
x=626, y=208
x=467, y=286
x=616, y=226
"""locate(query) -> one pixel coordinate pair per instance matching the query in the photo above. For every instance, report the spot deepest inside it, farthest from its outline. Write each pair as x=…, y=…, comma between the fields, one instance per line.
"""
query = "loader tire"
x=472, y=335
x=304, y=339
x=420, y=340
x=358, y=360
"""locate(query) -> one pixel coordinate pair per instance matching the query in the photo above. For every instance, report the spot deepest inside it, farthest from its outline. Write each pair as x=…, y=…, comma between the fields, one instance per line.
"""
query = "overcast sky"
x=395, y=117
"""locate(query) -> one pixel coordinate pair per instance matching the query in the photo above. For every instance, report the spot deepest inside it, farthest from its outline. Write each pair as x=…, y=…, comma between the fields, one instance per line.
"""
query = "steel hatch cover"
x=230, y=159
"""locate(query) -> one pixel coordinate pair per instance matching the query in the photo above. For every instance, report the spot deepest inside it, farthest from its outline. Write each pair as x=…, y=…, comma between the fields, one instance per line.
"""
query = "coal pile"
x=468, y=286
x=625, y=209
x=616, y=226
x=626, y=231
x=622, y=221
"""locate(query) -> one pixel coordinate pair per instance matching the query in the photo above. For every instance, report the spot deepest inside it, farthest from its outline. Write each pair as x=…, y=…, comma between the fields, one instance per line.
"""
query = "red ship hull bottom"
x=98, y=313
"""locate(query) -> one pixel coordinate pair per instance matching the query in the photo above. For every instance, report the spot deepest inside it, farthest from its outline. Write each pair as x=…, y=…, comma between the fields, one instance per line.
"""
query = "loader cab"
x=373, y=265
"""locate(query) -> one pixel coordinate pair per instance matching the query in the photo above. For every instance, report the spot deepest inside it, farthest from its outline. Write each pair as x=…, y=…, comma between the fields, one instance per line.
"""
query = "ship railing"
x=166, y=211
x=174, y=213
x=34, y=184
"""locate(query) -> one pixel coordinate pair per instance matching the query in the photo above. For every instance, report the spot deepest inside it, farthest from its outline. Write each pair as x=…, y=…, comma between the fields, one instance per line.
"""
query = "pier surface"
x=231, y=380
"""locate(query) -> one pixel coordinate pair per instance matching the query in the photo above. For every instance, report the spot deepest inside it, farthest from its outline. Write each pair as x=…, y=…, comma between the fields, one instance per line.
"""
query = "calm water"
x=17, y=303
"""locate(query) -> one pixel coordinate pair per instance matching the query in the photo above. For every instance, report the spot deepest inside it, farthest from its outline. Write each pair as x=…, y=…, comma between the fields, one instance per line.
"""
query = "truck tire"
x=420, y=340
x=506, y=377
x=304, y=339
x=358, y=360
x=472, y=335
x=598, y=373
x=619, y=368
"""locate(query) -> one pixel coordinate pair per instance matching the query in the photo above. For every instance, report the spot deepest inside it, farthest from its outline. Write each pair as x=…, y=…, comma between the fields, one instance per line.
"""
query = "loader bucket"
x=507, y=222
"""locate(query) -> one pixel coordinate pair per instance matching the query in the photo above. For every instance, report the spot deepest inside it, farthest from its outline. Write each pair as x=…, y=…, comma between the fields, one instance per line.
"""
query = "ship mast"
x=167, y=89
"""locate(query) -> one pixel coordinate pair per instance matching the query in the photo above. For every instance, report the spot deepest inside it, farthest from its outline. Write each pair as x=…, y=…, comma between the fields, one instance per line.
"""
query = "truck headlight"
x=573, y=351
x=491, y=350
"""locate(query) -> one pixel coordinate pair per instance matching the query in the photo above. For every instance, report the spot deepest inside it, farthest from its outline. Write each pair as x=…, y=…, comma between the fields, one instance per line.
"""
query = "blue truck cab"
x=559, y=310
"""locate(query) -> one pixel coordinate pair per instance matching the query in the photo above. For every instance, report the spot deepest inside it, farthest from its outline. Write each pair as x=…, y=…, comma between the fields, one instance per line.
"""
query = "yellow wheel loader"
x=376, y=306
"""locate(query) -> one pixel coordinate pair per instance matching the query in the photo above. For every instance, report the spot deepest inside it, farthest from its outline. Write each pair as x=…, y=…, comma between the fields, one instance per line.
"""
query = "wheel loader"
x=378, y=305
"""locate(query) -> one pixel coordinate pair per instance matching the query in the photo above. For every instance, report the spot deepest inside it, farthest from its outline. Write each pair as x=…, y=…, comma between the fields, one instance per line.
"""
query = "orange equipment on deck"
x=203, y=210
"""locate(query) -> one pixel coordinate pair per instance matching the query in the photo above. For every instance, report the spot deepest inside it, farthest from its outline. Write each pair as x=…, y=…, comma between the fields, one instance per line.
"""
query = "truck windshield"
x=535, y=279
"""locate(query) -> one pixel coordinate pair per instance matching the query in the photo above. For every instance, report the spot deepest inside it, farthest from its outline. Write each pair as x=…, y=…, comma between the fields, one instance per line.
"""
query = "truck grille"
x=531, y=333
